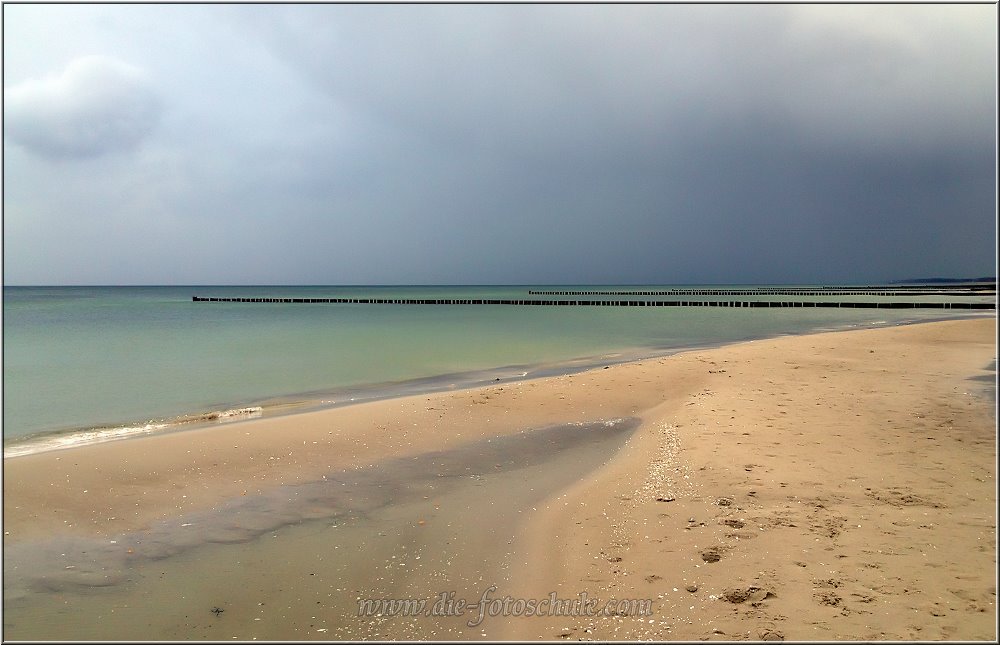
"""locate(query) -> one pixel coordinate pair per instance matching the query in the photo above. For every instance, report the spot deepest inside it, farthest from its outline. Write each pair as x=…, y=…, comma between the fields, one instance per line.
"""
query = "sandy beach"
x=829, y=486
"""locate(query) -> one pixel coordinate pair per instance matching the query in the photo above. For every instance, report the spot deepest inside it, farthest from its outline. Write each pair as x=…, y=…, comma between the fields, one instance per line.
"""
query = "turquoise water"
x=95, y=362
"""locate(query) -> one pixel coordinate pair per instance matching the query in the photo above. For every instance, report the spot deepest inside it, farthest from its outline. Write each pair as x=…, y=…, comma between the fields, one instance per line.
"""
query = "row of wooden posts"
x=770, y=292
x=612, y=303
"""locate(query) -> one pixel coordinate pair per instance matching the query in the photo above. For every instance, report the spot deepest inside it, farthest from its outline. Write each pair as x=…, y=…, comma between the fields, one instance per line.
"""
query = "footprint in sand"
x=828, y=598
x=901, y=497
x=752, y=594
x=712, y=554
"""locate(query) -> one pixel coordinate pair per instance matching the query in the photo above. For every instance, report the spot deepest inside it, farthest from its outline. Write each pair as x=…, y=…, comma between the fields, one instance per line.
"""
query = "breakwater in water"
x=609, y=303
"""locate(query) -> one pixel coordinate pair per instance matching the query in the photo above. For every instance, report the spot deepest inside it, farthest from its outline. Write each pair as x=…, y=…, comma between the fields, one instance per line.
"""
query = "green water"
x=80, y=358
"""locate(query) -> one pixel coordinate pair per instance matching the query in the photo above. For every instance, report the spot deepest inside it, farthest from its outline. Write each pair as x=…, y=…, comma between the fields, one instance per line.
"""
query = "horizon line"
x=980, y=279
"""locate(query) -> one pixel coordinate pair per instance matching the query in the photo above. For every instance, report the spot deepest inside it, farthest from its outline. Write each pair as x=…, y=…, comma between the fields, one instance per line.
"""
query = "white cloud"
x=96, y=106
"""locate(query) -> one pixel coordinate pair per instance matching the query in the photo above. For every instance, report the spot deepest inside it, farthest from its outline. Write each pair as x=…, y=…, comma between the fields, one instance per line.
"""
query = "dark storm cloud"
x=671, y=142
x=572, y=75
x=95, y=106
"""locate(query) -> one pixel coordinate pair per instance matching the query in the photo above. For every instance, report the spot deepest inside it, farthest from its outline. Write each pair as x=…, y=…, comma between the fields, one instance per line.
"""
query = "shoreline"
x=758, y=417
x=317, y=400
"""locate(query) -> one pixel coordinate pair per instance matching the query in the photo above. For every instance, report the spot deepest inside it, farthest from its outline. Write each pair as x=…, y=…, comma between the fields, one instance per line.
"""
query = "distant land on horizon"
x=943, y=280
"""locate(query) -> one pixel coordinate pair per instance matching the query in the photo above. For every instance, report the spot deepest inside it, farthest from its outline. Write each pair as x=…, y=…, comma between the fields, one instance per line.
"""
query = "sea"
x=92, y=364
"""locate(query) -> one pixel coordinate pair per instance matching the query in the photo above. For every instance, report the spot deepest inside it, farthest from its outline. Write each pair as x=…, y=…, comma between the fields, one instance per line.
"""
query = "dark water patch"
x=987, y=383
x=68, y=563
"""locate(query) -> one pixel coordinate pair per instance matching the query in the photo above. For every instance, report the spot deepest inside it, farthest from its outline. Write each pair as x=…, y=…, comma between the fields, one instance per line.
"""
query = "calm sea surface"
x=93, y=363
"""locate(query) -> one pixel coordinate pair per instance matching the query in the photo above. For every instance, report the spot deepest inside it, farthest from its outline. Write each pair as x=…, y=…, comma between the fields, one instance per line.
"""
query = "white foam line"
x=103, y=435
x=72, y=439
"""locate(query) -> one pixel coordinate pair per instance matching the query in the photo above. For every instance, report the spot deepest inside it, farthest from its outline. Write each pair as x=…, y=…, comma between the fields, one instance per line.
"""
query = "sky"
x=498, y=144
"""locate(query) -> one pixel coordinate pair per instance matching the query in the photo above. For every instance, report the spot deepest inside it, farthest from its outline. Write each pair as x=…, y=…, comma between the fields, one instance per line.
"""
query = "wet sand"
x=292, y=562
x=832, y=486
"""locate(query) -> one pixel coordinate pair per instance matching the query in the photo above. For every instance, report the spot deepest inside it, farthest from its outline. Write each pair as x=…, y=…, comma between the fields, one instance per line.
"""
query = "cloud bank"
x=501, y=143
x=96, y=106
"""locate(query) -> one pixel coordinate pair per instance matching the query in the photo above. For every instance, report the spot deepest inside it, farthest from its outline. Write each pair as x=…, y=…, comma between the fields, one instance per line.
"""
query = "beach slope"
x=831, y=486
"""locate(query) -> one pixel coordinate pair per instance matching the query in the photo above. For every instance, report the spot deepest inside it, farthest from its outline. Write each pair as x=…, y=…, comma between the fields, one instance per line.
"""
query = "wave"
x=78, y=437
x=249, y=413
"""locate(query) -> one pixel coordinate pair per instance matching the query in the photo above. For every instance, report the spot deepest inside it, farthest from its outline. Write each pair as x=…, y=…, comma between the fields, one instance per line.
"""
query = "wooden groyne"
x=610, y=303
x=826, y=291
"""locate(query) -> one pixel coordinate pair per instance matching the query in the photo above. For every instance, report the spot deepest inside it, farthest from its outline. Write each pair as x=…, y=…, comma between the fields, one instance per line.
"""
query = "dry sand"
x=831, y=486
x=834, y=486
